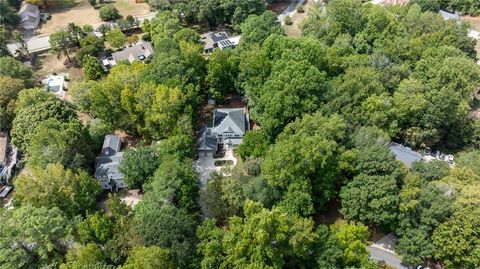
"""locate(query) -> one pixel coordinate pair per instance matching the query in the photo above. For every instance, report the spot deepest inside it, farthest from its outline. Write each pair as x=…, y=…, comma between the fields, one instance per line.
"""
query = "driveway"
x=378, y=253
x=205, y=165
x=384, y=250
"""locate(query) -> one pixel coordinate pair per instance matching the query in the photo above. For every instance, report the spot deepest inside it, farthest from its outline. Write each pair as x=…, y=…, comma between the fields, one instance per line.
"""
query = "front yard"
x=81, y=12
x=475, y=24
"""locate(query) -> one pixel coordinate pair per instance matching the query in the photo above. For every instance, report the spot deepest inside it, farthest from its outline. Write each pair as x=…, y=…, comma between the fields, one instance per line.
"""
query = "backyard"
x=475, y=24
x=81, y=12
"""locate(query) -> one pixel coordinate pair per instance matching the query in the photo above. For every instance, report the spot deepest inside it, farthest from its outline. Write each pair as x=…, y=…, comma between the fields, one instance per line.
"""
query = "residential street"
x=40, y=42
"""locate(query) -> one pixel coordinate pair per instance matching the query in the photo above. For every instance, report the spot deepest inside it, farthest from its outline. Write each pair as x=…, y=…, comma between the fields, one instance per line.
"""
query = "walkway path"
x=39, y=43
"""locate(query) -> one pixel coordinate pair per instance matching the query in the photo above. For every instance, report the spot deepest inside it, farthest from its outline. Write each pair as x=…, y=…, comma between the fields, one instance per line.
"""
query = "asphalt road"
x=390, y=258
x=40, y=42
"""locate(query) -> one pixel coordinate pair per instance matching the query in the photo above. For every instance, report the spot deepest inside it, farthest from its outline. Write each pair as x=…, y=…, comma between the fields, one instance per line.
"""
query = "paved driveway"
x=380, y=254
x=205, y=165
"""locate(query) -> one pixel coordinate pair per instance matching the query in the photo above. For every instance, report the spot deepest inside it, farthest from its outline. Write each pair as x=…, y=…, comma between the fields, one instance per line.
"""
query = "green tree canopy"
x=12, y=68
x=138, y=165
x=67, y=143
x=149, y=258
x=9, y=89
x=34, y=107
x=32, y=236
x=74, y=193
x=264, y=238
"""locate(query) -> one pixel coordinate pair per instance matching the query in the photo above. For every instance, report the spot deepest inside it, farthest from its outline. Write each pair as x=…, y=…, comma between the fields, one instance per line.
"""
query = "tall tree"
x=304, y=163
x=61, y=43
x=74, y=193
x=34, y=107
x=32, y=236
x=263, y=238
x=55, y=142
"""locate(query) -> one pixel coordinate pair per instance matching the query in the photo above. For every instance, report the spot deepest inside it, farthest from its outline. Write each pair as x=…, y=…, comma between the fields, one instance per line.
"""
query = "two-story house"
x=228, y=128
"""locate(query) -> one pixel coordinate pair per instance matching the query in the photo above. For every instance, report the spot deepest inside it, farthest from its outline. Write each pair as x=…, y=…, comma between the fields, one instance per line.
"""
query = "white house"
x=140, y=51
x=220, y=39
x=55, y=84
x=228, y=128
x=30, y=16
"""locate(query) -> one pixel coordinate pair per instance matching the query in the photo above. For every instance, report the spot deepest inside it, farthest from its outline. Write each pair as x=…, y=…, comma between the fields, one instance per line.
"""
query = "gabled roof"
x=229, y=120
x=106, y=167
x=208, y=141
x=449, y=16
x=140, y=49
x=112, y=143
x=31, y=10
x=405, y=154
x=30, y=16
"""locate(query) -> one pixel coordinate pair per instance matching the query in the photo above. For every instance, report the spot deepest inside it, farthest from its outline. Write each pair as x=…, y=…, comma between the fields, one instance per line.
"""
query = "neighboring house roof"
x=220, y=39
x=30, y=16
x=405, y=154
x=229, y=120
x=140, y=51
x=449, y=16
x=3, y=149
x=390, y=2
x=54, y=84
x=111, y=145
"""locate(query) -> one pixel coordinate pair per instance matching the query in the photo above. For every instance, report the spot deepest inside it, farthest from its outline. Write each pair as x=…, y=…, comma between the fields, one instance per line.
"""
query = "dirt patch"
x=79, y=12
x=129, y=7
x=130, y=197
x=331, y=214
x=294, y=29
x=475, y=25
x=47, y=64
x=473, y=21
x=279, y=6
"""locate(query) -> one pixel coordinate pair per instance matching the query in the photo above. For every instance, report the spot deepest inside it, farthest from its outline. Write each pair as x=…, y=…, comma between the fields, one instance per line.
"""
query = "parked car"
x=5, y=191
x=427, y=151
x=441, y=156
x=449, y=159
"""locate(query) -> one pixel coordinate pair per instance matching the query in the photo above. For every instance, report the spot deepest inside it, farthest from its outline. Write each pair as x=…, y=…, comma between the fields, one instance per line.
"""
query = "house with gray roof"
x=405, y=154
x=107, y=163
x=218, y=40
x=449, y=16
x=229, y=125
x=140, y=51
x=29, y=16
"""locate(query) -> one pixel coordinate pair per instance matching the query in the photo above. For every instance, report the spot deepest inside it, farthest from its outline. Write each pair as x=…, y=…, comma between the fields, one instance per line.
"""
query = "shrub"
x=300, y=8
x=108, y=13
x=288, y=20
x=93, y=2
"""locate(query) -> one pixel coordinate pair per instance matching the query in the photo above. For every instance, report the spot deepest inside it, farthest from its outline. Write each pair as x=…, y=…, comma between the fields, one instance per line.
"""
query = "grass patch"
x=62, y=4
